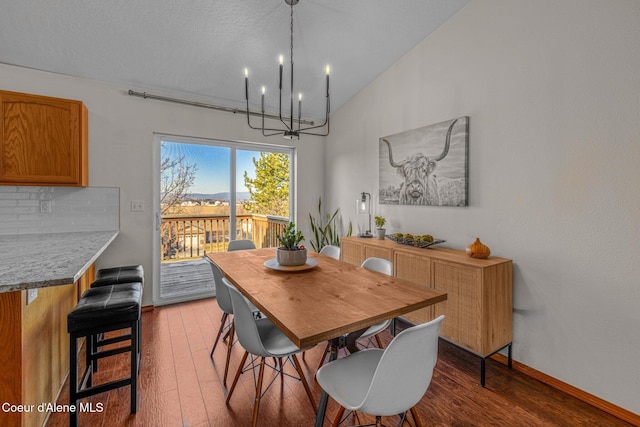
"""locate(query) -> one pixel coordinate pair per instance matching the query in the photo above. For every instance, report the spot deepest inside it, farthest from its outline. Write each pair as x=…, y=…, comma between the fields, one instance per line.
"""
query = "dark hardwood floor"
x=180, y=386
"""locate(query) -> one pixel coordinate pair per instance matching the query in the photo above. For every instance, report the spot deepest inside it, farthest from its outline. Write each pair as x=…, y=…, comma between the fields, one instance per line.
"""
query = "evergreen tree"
x=269, y=190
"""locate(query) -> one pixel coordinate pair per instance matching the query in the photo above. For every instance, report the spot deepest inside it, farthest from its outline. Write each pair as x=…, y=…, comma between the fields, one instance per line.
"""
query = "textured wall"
x=551, y=89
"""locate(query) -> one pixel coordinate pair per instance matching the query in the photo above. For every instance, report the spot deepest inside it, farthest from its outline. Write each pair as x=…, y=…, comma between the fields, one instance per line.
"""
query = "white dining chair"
x=379, y=265
x=331, y=251
x=383, y=266
x=240, y=245
x=226, y=322
x=385, y=382
x=261, y=338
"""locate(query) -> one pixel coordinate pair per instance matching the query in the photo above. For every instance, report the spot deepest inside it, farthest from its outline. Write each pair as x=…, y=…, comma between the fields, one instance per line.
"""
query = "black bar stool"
x=104, y=309
x=115, y=276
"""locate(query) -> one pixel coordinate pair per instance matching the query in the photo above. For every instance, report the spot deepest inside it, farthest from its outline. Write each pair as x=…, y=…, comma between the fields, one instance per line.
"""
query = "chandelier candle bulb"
x=246, y=84
x=328, y=72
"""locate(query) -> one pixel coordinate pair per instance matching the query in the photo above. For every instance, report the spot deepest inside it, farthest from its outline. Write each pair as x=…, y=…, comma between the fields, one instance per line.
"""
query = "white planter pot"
x=380, y=232
x=291, y=258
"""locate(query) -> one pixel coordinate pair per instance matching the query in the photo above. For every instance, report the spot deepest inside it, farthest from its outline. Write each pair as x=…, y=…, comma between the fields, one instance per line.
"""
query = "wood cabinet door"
x=463, y=322
x=374, y=251
x=351, y=252
x=416, y=269
x=43, y=140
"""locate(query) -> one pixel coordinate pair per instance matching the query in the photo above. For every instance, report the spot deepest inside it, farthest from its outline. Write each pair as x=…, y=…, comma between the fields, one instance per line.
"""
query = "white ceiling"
x=198, y=49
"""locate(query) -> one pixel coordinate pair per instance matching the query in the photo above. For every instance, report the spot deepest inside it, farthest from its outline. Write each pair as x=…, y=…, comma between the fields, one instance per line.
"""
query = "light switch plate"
x=137, y=206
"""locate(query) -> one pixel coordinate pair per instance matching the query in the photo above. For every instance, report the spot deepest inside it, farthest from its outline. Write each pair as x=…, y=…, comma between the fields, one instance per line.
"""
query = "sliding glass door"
x=210, y=192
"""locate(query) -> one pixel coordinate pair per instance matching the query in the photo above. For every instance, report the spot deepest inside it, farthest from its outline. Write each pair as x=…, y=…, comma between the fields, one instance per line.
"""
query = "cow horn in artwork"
x=446, y=144
x=394, y=164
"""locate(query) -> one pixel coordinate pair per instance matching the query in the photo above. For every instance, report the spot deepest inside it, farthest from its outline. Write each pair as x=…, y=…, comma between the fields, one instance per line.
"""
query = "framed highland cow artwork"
x=428, y=166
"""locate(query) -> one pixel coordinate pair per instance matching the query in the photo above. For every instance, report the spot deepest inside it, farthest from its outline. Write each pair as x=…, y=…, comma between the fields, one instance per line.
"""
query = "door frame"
x=234, y=145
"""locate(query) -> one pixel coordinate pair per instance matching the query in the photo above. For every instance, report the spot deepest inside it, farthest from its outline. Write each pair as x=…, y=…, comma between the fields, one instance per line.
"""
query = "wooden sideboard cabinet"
x=43, y=140
x=479, y=301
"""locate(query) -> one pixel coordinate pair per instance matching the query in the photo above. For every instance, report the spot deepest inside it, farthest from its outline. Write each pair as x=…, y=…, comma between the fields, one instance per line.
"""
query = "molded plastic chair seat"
x=240, y=245
x=331, y=251
x=385, y=382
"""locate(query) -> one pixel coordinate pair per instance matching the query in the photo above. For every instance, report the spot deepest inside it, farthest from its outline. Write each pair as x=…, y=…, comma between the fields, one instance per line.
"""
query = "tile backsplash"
x=30, y=210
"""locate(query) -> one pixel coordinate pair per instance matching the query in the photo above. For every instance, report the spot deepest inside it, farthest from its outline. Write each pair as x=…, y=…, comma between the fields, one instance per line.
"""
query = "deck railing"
x=189, y=237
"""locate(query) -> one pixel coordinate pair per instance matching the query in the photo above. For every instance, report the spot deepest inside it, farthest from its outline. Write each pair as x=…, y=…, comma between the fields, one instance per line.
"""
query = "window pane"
x=262, y=180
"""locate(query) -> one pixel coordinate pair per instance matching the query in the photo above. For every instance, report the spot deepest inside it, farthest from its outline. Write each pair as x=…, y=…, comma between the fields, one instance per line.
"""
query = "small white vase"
x=291, y=258
x=380, y=232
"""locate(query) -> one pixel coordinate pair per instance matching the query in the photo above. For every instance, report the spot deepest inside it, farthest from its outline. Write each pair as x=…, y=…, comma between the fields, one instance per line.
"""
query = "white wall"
x=121, y=131
x=552, y=91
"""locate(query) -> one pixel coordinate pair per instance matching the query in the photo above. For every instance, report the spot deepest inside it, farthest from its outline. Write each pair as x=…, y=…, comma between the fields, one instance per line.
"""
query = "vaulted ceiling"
x=198, y=49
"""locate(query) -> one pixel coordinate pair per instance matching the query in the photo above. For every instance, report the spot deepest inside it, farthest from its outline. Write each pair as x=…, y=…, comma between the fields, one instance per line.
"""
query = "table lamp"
x=363, y=207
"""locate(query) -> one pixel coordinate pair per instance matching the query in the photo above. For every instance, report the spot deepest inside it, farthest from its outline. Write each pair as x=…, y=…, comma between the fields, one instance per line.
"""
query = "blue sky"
x=213, y=165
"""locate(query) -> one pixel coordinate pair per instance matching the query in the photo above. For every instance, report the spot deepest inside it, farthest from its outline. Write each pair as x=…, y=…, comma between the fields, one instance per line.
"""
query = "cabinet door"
x=416, y=269
x=43, y=140
x=462, y=308
x=351, y=252
x=374, y=251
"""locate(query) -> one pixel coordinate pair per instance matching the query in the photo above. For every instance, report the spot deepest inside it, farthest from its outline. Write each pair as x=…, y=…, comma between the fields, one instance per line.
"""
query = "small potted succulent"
x=290, y=252
x=380, y=222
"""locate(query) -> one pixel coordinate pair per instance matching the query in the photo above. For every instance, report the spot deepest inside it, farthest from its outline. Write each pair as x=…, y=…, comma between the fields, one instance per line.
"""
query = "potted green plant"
x=380, y=222
x=290, y=252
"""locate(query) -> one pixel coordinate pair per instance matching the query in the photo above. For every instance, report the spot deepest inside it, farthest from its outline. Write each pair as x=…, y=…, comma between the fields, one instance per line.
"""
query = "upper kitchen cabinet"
x=44, y=141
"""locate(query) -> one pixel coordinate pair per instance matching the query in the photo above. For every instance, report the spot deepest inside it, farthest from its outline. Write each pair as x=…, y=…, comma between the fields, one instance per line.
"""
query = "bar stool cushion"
x=115, y=275
x=106, y=305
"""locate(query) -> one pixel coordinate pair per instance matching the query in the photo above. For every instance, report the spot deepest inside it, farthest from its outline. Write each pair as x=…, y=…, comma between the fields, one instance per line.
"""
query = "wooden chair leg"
x=304, y=382
x=226, y=365
x=379, y=341
x=336, y=420
x=215, y=342
x=416, y=418
x=256, y=404
x=324, y=355
x=235, y=379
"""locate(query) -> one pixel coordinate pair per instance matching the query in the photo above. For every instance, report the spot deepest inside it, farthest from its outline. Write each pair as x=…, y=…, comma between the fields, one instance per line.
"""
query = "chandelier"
x=290, y=127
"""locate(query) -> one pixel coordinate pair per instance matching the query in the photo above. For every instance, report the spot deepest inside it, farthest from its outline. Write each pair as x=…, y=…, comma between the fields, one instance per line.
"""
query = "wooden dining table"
x=324, y=300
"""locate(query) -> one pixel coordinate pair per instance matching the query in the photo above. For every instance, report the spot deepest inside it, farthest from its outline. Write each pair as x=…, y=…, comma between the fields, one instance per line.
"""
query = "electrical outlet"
x=137, y=206
x=32, y=294
x=45, y=206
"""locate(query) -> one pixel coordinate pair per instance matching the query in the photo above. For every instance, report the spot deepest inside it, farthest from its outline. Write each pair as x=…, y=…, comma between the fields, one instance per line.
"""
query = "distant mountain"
x=241, y=195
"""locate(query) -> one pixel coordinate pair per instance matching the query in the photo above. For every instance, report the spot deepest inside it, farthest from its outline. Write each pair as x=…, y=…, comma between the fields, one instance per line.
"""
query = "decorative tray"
x=418, y=243
x=273, y=264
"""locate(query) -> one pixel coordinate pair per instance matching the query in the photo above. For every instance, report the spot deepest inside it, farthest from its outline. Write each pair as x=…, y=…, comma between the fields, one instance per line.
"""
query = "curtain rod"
x=146, y=95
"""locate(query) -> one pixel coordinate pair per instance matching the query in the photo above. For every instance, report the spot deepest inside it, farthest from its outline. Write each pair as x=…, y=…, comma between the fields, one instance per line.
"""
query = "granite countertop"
x=40, y=260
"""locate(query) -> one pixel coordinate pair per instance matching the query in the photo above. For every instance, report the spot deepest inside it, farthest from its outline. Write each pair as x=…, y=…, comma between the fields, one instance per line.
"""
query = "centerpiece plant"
x=291, y=252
